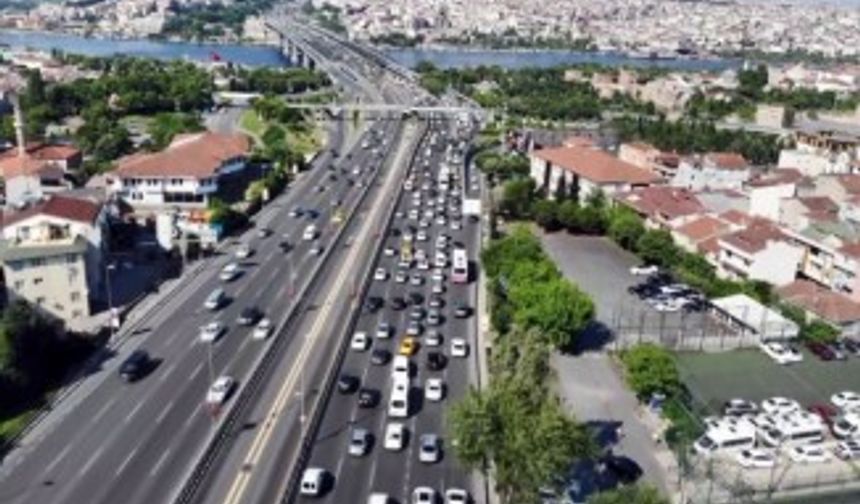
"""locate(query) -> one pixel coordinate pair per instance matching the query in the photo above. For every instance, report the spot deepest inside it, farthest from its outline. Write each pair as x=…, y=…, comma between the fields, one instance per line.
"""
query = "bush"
x=651, y=369
x=819, y=331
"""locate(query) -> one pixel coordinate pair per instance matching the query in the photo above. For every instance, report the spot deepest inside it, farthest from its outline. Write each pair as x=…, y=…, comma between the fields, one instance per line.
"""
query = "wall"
x=57, y=281
x=696, y=179
x=766, y=201
x=777, y=264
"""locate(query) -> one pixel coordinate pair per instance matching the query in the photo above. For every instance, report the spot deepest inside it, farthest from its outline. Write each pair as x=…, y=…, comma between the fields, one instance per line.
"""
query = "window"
x=40, y=300
x=37, y=262
x=37, y=281
x=24, y=232
x=76, y=314
x=73, y=274
x=18, y=285
x=71, y=258
x=75, y=297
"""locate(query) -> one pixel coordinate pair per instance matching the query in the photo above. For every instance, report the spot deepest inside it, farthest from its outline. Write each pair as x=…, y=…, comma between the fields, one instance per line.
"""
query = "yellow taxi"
x=408, y=346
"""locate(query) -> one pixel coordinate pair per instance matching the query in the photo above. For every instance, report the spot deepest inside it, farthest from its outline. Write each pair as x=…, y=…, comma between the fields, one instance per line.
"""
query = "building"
x=767, y=192
x=716, y=171
x=580, y=170
x=760, y=251
x=52, y=255
x=749, y=316
x=693, y=235
x=822, y=152
x=185, y=176
x=799, y=213
x=66, y=157
x=661, y=206
x=31, y=174
x=817, y=302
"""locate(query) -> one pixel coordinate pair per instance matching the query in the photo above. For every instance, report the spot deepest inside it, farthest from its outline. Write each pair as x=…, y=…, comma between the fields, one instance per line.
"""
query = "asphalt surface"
x=134, y=443
x=398, y=473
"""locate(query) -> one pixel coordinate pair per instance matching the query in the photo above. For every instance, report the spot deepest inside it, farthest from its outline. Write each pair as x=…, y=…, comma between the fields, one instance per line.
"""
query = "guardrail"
x=327, y=388
x=198, y=474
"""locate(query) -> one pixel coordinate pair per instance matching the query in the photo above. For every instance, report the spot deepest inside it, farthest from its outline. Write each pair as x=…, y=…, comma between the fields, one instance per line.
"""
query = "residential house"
x=692, y=235
x=52, y=255
x=27, y=179
x=798, y=213
x=760, y=251
x=839, y=188
x=725, y=200
x=66, y=157
x=766, y=192
x=581, y=170
x=716, y=171
x=818, y=302
x=662, y=207
x=822, y=152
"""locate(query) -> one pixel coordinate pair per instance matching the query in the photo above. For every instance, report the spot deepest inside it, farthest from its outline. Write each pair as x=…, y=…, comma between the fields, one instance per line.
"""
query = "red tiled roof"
x=777, y=177
x=818, y=204
x=709, y=246
x=824, y=303
x=663, y=201
x=596, y=165
x=727, y=160
x=15, y=166
x=45, y=152
x=196, y=155
x=62, y=207
x=736, y=217
x=754, y=237
x=703, y=228
x=851, y=250
x=851, y=183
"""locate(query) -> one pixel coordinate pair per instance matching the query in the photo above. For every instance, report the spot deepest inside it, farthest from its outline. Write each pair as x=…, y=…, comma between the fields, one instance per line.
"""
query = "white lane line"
x=191, y=418
x=195, y=372
x=159, y=463
x=125, y=462
x=59, y=458
x=91, y=461
x=102, y=411
x=167, y=371
x=164, y=412
x=133, y=412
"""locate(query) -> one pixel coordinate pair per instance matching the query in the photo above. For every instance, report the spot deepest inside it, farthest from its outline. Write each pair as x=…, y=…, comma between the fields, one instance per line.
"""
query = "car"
x=781, y=353
x=846, y=400
x=847, y=450
x=383, y=330
x=262, y=329
x=379, y=498
x=438, y=275
x=210, y=332
x=825, y=411
x=249, y=316
x=624, y=469
x=434, y=318
x=401, y=277
x=414, y=328
x=436, y=361
x=380, y=357
x=433, y=338
x=380, y=275
x=644, y=270
x=430, y=450
x=389, y=251
x=314, y=480
x=229, y=272
x=220, y=390
x=756, y=458
x=417, y=313
x=408, y=346
x=779, y=406
x=316, y=250
x=347, y=384
x=416, y=280
x=397, y=303
x=839, y=349
x=455, y=225
x=368, y=398
x=459, y=347
x=360, y=342
x=808, y=454
x=434, y=389
x=296, y=212
x=851, y=346
x=263, y=233
x=373, y=304
x=135, y=366
x=462, y=311
x=821, y=350
x=456, y=496
x=415, y=298
x=438, y=288
x=739, y=407
x=285, y=246
x=244, y=251
x=395, y=436
x=359, y=442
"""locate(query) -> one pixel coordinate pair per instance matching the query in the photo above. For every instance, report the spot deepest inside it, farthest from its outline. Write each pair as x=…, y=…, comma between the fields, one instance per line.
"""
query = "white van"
x=310, y=233
x=400, y=367
x=847, y=426
x=398, y=405
x=794, y=429
x=726, y=436
x=312, y=483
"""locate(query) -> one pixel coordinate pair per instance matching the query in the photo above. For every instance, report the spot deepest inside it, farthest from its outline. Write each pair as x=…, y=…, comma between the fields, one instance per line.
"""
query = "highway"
x=135, y=442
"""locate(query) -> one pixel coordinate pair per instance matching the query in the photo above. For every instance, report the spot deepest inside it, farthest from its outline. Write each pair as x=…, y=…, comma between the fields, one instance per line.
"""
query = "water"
x=263, y=55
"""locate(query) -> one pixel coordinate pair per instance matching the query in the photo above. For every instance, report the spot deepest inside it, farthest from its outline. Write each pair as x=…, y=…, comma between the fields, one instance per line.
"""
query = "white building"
x=716, y=171
x=751, y=317
x=759, y=252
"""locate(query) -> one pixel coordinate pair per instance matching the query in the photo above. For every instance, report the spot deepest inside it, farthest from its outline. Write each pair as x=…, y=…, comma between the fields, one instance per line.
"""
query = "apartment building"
x=716, y=171
x=52, y=255
x=760, y=251
x=694, y=236
x=31, y=174
x=767, y=192
x=822, y=152
x=818, y=302
x=662, y=207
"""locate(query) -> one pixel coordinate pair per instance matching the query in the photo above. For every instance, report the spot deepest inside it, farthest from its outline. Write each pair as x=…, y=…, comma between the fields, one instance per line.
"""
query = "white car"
x=429, y=451
x=846, y=400
x=438, y=275
x=424, y=495
x=360, y=342
x=809, y=454
x=438, y=288
x=757, y=458
x=395, y=436
x=244, y=251
x=400, y=277
x=262, y=329
x=211, y=331
x=229, y=272
x=380, y=275
x=220, y=390
x=421, y=235
x=779, y=406
x=781, y=353
x=455, y=225
x=383, y=330
x=434, y=389
x=644, y=270
x=433, y=339
x=456, y=496
x=459, y=347
x=389, y=251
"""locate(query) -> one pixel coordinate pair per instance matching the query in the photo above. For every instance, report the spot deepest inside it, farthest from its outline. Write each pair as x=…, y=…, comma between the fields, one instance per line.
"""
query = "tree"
x=545, y=213
x=568, y=215
x=591, y=219
x=166, y=125
x=504, y=255
x=629, y=494
x=657, y=247
x=517, y=197
x=820, y=331
x=625, y=229
x=650, y=369
x=557, y=308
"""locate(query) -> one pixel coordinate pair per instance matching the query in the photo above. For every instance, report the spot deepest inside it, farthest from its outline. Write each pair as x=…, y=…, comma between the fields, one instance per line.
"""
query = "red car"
x=825, y=411
x=823, y=351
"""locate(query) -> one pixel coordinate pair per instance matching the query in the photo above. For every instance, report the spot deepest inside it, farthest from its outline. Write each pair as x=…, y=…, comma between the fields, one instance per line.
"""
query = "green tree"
x=557, y=308
x=503, y=256
x=625, y=229
x=820, y=331
x=545, y=213
x=629, y=494
x=166, y=125
x=568, y=215
x=650, y=369
x=657, y=247
x=591, y=219
x=788, y=117
x=517, y=198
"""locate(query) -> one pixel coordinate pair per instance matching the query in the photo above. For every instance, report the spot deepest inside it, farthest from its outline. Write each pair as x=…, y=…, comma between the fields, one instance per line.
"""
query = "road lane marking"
x=191, y=418
x=237, y=489
x=102, y=411
x=59, y=458
x=133, y=412
x=167, y=371
x=159, y=463
x=127, y=459
x=91, y=461
x=195, y=372
x=164, y=412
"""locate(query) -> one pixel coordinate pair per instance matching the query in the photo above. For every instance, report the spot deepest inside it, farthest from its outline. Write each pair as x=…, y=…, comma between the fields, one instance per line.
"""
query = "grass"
x=252, y=124
x=305, y=141
x=12, y=426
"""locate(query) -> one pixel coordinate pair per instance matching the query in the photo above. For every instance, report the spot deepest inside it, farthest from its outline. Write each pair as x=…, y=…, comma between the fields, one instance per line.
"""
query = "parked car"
x=821, y=350
x=756, y=458
x=781, y=353
x=847, y=450
x=846, y=400
x=347, y=384
x=779, y=406
x=739, y=407
x=808, y=454
x=644, y=270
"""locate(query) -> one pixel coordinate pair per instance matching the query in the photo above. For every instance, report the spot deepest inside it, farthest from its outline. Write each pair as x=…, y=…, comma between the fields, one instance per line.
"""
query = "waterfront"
x=255, y=55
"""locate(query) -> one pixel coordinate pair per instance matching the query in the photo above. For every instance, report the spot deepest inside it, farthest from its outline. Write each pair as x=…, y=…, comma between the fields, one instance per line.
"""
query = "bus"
x=459, y=266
